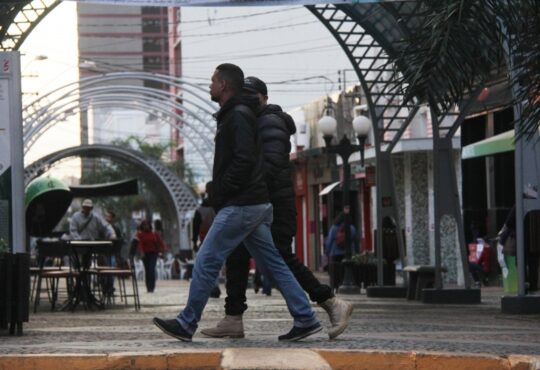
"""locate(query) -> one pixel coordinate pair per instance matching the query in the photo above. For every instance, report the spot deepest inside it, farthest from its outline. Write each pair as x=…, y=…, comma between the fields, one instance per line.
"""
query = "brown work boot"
x=339, y=312
x=229, y=327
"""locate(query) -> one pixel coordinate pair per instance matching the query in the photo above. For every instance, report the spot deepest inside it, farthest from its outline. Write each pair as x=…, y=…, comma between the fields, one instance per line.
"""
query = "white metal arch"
x=191, y=108
x=114, y=101
x=199, y=135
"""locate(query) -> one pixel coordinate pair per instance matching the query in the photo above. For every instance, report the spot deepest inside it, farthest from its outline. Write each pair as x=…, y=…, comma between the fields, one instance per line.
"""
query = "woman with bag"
x=150, y=245
x=506, y=252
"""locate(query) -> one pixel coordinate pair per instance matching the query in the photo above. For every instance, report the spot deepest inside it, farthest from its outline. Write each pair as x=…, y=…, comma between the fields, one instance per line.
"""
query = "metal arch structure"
x=19, y=18
x=113, y=101
x=136, y=98
x=182, y=198
x=191, y=109
x=369, y=34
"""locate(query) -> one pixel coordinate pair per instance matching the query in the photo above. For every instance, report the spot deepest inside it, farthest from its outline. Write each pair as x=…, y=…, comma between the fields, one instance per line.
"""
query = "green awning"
x=496, y=144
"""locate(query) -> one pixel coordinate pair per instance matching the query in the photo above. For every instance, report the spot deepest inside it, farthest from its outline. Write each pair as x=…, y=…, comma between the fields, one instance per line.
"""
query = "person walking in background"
x=335, y=245
x=110, y=217
x=115, y=259
x=150, y=245
x=244, y=214
x=259, y=281
x=119, y=241
x=202, y=220
x=275, y=129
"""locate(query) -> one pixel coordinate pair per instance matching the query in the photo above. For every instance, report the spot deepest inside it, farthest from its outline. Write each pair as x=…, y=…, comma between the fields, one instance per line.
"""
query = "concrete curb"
x=270, y=358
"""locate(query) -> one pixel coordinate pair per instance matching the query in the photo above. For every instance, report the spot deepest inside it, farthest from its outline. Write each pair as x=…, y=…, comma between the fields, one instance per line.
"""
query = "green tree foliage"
x=460, y=45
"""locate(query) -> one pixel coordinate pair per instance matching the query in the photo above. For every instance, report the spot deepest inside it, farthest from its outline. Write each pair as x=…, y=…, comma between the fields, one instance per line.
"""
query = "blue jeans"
x=232, y=226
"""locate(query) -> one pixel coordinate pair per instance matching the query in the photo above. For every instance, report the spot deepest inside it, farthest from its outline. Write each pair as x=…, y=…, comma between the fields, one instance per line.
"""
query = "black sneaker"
x=173, y=328
x=297, y=333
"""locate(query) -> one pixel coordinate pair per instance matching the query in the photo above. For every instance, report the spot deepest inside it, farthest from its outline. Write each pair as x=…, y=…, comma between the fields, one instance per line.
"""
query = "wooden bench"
x=420, y=277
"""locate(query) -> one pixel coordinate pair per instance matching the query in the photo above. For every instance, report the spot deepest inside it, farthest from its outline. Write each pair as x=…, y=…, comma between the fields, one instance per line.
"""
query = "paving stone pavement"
x=376, y=324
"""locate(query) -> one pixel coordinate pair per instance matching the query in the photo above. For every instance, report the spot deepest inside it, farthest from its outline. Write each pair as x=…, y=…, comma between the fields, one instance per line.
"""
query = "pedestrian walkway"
x=408, y=329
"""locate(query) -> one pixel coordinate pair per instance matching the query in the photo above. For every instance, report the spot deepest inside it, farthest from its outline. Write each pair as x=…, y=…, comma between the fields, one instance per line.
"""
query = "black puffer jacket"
x=275, y=129
x=238, y=173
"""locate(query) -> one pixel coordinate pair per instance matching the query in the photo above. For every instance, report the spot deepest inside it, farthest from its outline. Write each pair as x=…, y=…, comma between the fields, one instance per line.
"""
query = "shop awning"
x=329, y=188
x=110, y=189
x=496, y=144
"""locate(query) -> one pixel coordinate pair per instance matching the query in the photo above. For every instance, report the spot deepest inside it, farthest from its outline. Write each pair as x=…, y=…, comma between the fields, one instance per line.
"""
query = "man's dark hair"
x=233, y=75
x=113, y=215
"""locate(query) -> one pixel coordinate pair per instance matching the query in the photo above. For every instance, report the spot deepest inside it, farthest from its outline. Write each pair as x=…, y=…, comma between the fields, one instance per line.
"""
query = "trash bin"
x=14, y=291
x=510, y=282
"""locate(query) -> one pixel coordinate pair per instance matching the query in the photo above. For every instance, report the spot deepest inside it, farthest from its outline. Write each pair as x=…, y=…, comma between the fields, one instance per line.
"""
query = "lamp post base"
x=386, y=291
x=348, y=289
x=520, y=305
x=348, y=286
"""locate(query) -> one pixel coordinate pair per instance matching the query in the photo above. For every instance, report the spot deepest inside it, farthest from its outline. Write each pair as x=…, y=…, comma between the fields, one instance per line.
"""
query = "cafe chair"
x=53, y=275
x=138, y=265
x=168, y=266
x=160, y=269
x=185, y=261
x=106, y=274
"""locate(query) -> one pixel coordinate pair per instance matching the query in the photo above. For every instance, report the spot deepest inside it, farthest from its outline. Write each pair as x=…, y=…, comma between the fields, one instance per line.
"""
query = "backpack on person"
x=341, y=237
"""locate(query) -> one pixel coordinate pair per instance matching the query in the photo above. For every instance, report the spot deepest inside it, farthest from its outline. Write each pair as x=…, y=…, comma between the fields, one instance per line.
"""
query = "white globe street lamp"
x=361, y=126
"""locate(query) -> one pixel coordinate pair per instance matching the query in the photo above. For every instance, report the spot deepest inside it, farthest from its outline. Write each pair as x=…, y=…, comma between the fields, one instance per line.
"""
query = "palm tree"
x=459, y=46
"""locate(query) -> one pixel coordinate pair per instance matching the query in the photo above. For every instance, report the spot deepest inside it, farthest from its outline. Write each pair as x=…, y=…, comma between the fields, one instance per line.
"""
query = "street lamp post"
x=344, y=149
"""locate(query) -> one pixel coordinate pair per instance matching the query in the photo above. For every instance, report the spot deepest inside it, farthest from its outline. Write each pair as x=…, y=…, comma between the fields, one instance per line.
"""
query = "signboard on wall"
x=12, y=221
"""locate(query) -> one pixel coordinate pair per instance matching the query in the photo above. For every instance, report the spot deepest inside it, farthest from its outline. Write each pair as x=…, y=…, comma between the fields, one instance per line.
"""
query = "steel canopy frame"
x=369, y=34
x=196, y=121
x=193, y=126
x=366, y=33
x=19, y=18
x=114, y=101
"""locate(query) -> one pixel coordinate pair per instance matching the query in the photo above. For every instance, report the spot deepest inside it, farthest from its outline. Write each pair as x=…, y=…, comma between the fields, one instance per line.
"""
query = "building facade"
x=116, y=39
x=319, y=195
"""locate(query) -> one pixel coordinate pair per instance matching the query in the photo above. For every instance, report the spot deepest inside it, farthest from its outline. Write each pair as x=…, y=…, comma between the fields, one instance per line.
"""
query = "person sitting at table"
x=85, y=225
x=150, y=245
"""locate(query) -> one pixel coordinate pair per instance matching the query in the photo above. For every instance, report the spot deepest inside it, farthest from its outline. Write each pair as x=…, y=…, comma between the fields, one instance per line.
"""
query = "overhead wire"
x=207, y=20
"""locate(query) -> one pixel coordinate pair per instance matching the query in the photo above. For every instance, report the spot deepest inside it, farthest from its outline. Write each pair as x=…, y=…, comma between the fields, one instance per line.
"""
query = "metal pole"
x=345, y=149
x=12, y=224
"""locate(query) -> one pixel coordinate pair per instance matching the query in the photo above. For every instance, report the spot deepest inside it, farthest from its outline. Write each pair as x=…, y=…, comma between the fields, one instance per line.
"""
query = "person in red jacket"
x=150, y=245
x=480, y=261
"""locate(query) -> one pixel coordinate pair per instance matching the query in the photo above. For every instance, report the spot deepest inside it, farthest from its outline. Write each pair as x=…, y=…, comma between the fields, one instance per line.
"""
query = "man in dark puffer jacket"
x=275, y=129
x=240, y=196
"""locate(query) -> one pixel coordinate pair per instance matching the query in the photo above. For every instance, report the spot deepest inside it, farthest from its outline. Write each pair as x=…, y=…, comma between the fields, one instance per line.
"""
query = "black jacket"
x=237, y=176
x=275, y=129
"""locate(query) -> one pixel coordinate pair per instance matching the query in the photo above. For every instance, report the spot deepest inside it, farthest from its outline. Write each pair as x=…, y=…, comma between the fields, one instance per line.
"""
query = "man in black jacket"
x=275, y=129
x=244, y=214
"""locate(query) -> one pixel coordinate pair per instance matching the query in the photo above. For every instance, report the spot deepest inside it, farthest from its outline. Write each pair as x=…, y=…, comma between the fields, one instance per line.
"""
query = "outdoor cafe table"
x=83, y=251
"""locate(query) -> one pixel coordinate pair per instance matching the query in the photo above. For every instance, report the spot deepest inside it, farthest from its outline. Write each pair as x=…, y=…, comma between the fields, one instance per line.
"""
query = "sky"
x=56, y=39
x=285, y=46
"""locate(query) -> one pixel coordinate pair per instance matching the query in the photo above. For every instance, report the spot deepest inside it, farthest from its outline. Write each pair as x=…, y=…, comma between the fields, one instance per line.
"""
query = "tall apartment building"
x=123, y=38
